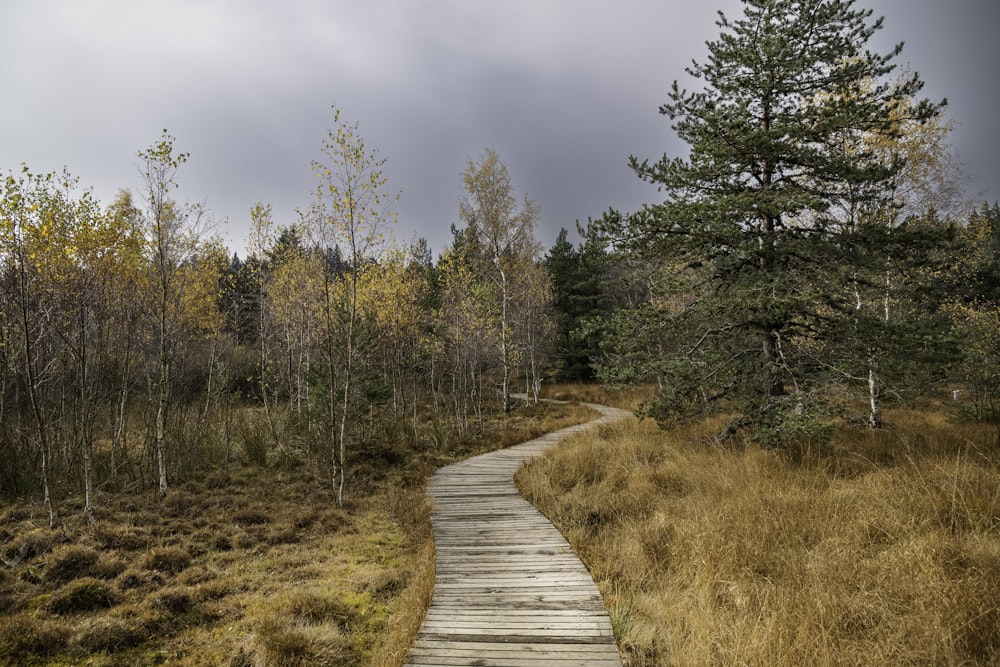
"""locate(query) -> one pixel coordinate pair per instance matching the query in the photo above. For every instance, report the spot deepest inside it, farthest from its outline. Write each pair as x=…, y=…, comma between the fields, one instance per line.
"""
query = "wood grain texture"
x=508, y=591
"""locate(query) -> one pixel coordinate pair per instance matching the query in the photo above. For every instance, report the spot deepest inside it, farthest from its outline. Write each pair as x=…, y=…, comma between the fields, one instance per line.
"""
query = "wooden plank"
x=509, y=589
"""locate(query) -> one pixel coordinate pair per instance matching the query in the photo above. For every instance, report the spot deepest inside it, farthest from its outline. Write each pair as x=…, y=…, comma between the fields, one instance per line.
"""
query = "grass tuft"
x=24, y=637
x=82, y=595
x=169, y=560
x=250, y=517
x=109, y=634
x=67, y=563
x=174, y=600
x=32, y=544
x=308, y=627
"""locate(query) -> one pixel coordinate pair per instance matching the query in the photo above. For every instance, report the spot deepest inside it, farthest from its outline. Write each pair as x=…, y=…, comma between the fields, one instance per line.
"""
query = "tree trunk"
x=332, y=383
x=346, y=406
x=119, y=436
x=86, y=423
x=874, y=396
x=504, y=342
x=32, y=380
x=162, y=400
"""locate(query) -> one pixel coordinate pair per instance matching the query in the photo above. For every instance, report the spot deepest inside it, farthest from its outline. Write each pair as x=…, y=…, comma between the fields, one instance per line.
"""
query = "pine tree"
x=579, y=278
x=759, y=232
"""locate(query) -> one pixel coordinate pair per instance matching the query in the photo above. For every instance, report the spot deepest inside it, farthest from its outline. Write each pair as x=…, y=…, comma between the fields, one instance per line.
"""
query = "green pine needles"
x=777, y=223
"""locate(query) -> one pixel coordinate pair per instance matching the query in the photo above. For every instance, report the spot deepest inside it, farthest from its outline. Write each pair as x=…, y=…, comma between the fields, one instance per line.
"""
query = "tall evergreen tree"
x=579, y=278
x=759, y=229
x=562, y=263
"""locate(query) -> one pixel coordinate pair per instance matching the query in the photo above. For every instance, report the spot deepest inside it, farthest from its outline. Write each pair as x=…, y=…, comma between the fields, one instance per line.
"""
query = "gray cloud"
x=564, y=90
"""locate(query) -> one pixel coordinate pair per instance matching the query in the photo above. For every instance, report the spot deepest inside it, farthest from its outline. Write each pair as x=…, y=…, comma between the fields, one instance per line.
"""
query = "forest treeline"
x=815, y=256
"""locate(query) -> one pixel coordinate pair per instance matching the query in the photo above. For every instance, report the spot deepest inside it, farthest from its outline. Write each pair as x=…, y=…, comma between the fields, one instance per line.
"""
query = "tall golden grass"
x=880, y=549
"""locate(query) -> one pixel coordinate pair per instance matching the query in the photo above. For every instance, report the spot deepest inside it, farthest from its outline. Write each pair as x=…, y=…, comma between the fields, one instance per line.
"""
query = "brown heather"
x=252, y=566
x=883, y=549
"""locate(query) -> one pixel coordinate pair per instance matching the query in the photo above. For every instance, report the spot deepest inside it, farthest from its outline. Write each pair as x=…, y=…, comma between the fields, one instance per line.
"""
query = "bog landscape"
x=209, y=459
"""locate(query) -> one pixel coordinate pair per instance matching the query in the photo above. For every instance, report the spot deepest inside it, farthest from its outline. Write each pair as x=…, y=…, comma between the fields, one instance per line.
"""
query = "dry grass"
x=249, y=566
x=626, y=398
x=883, y=549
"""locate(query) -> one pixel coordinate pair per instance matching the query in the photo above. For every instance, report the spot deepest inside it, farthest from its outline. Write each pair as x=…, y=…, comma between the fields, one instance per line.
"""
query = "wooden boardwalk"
x=509, y=590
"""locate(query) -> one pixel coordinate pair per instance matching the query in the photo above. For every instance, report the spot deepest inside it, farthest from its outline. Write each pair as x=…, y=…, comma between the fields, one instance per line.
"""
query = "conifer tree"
x=759, y=226
x=579, y=282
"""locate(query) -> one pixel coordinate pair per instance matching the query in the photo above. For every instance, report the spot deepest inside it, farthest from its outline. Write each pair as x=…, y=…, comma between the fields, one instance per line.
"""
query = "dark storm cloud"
x=564, y=90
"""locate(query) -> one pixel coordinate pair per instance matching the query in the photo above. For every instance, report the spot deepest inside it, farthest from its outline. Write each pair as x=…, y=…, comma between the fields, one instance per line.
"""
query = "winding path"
x=508, y=590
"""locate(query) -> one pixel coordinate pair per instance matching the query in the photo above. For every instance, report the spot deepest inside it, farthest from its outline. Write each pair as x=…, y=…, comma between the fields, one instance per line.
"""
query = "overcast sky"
x=563, y=90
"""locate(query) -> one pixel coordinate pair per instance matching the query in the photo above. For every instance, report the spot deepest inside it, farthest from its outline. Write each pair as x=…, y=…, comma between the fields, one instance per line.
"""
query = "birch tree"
x=130, y=277
x=506, y=231
x=260, y=241
x=909, y=219
x=174, y=234
x=296, y=301
x=466, y=329
x=28, y=221
x=534, y=323
x=352, y=210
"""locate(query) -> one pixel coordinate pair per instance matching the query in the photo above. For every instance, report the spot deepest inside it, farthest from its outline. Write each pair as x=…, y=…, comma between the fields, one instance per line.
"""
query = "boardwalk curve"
x=508, y=590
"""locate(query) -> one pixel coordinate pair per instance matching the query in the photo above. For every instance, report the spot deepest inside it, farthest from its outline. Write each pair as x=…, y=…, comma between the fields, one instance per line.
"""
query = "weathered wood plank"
x=509, y=589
